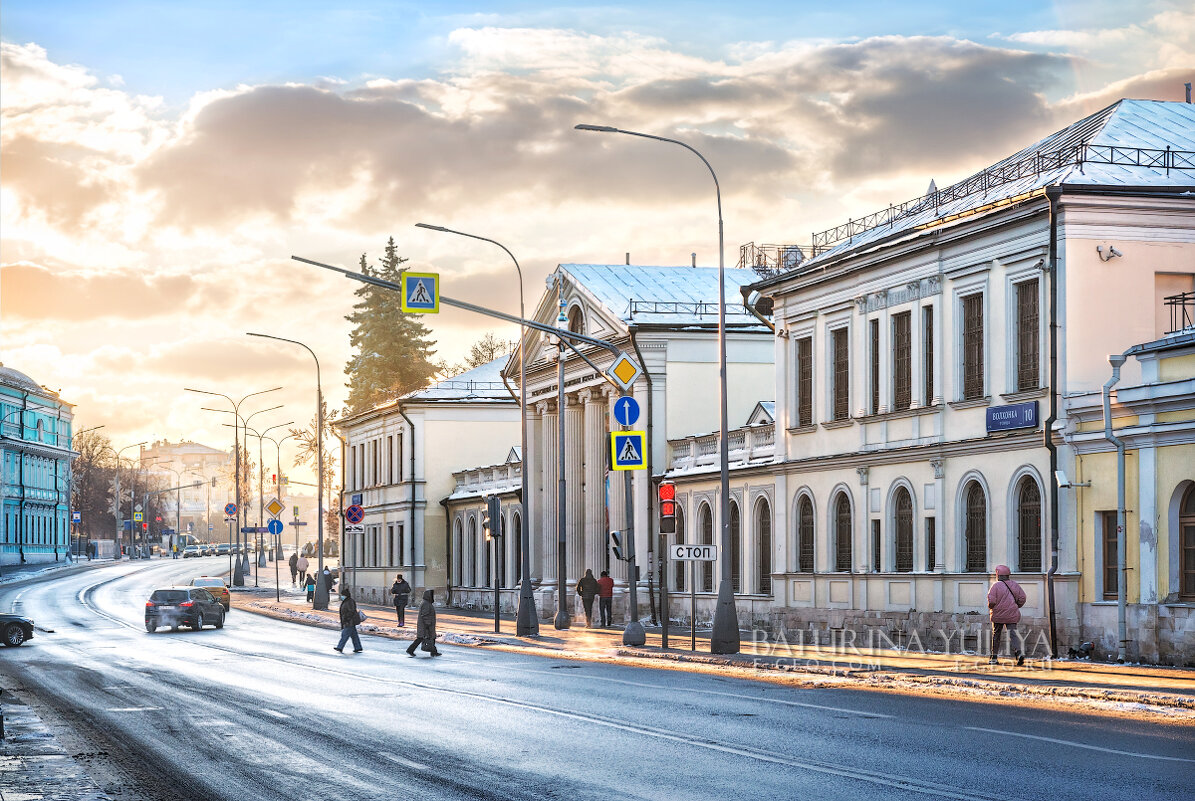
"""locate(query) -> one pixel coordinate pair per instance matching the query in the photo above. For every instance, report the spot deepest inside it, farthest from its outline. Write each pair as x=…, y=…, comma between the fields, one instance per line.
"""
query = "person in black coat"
x=349, y=618
x=425, y=630
x=588, y=588
x=401, y=592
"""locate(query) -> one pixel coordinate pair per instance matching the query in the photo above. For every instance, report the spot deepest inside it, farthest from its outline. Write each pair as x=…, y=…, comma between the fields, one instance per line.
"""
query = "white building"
x=182, y=464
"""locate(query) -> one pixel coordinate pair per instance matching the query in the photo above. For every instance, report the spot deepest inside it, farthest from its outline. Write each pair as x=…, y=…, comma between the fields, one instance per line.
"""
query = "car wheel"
x=151, y=627
x=198, y=622
x=14, y=635
x=220, y=621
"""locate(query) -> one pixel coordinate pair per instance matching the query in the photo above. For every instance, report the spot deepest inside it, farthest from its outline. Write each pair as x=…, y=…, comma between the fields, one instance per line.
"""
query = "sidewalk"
x=1168, y=690
x=33, y=766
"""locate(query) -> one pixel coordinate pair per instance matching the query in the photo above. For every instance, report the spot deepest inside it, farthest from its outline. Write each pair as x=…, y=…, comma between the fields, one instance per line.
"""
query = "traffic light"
x=616, y=545
x=491, y=520
x=667, y=496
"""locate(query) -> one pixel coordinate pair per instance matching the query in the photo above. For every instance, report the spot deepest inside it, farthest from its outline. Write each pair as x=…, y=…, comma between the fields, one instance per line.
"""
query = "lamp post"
x=141, y=467
x=562, y=616
x=119, y=516
x=207, y=510
x=321, y=589
x=725, y=636
x=261, y=557
x=527, y=622
x=278, y=480
x=238, y=578
x=178, y=507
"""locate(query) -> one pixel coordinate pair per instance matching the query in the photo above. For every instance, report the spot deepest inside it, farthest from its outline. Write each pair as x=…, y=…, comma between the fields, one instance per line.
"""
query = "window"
x=518, y=547
x=842, y=534
x=903, y=520
x=842, y=374
x=398, y=458
x=931, y=543
x=975, y=530
x=707, y=538
x=902, y=361
x=1110, y=559
x=1028, y=526
x=484, y=558
x=1027, y=336
x=400, y=556
x=876, y=554
x=736, y=549
x=973, y=346
x=472, y=552
x=576, y=320
x=763, y=530
x=390, y=459
x=353, y=478
x=678, y=567
x=874, y=325
x=1186, y=544
x=805, y=535
x=805, y=381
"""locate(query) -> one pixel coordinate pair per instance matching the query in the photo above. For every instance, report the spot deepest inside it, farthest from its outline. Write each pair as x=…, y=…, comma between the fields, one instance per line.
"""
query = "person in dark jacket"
x=348, y=623
x=588, y=588
x=401, y=592
x=294, y=569
x=425, y=630
x=606, y=595
x=310, y=583
x=1005, y=599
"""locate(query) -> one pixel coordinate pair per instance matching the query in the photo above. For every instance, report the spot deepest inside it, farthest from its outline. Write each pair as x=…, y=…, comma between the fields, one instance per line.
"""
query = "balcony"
x=1182, y=312
x=747, y=446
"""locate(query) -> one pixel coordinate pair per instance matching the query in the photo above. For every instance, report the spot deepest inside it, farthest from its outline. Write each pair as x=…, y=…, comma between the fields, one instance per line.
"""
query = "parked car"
x=208, y=549
x=15, y=629
x=182, y=606
x=217, y=588
x=223, y=549
x=191, y=551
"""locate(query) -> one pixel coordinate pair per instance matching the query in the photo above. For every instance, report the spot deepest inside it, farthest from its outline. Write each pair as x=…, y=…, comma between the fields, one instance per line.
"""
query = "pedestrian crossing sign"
x=421, y=292
x=627, y=451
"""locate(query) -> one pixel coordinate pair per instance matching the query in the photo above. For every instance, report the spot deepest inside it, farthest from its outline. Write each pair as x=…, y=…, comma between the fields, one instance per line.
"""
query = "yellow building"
x=1153, y=415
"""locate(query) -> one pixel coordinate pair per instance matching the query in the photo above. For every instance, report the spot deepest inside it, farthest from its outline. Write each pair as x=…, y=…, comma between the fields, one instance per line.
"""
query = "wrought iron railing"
x=1182, y=311
x=699, y=308
x=769, y=260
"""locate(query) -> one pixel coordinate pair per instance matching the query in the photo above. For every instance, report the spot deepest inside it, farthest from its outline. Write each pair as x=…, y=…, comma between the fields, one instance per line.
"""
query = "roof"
x=482, y=383
x=1132, y=143
x=678, y=296
x=18, y=380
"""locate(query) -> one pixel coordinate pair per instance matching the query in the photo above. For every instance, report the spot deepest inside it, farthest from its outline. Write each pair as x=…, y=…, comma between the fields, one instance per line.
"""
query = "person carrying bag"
x=401, y=592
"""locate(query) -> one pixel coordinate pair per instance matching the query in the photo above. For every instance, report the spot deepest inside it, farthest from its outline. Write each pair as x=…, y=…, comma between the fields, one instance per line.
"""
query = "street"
x=266, y=710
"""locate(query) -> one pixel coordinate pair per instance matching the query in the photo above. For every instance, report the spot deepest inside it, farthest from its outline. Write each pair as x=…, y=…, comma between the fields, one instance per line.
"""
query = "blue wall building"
x=35, y=457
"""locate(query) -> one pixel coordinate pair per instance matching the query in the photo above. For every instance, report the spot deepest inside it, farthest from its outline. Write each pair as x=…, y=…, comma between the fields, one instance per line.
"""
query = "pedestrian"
x=606, y=597
x=310, y=587
x=425, y=629
x=401, y=592
x=349, y=618
x=302, y=566
x=326, y=578
x=1005, y=599
x=588, y=588
x=294, y=569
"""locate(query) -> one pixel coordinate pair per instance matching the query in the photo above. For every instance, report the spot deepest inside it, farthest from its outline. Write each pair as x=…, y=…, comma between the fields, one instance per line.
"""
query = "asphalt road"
x=266, y=710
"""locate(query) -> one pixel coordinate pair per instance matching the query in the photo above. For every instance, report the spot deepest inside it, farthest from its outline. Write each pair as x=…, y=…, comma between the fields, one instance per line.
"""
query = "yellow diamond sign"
x=275, y=507
x=624, y=371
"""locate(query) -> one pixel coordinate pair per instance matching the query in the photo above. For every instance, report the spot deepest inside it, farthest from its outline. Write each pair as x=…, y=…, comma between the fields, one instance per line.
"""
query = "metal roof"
x=482, y=383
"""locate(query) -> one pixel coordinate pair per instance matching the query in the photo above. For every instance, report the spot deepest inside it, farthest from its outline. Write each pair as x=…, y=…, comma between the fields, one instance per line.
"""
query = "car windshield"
x=169, y=596
x=208, y=582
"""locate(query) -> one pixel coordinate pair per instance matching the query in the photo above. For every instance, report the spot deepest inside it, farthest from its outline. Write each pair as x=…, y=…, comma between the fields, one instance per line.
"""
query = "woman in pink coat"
x=1005, y=599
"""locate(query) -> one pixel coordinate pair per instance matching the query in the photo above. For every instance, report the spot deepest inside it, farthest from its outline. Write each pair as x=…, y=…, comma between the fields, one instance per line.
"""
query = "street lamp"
x=725, y=636
x=261, y=556
x=119, y=516
x=321, y=589
x=178, y=507
x=527, y=624
x=562, y=616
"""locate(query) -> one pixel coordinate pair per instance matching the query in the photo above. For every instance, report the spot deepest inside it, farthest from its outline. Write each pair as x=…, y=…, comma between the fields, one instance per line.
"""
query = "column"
x=574, y=455
x=594, y=472
x=550, y=464
x=532, y=506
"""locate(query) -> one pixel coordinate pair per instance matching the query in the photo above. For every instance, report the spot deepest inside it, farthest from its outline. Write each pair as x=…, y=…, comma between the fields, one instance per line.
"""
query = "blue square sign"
x=421, y=292
x=627, y=451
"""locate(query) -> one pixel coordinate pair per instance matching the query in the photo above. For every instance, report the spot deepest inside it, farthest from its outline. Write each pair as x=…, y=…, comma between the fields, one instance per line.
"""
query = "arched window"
x=842, y=533
x=706, y=523
x=805, y=535
x=1028, y=526
x=975, y=530
x=517, y=569
x=457, y=553
x=763, y=529
x=1186, y=544
x=576, y=320
x=484, y=560
x=472, y=552
x=500, y=563
x=903, y=503
x=736, y=549
x=678, y=578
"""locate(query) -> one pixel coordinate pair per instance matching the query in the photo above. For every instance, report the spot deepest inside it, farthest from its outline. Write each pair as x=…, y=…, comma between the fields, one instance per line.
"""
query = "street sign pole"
x=692, y=606
x=633, y=634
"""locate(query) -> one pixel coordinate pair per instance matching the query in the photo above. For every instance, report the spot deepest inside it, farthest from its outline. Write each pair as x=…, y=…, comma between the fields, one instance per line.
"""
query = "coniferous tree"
x=392, y=350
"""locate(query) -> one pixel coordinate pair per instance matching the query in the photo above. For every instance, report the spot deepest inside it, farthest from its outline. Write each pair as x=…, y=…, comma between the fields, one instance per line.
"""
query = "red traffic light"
x=667, y=508
x=667, y=491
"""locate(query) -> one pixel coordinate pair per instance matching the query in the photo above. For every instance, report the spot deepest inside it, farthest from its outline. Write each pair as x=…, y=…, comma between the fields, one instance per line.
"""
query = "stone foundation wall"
x=1162, y=634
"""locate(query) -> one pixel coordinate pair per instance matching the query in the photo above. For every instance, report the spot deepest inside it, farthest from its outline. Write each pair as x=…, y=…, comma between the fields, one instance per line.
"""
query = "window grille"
x=1027, y=336
x=764, y=530
x=472, y=552
x=927, y=356
x=876, y=553
x=973, y=346
x=902, y=361
x=931, y=544
x=678, y=578
x=875, y=366
x=1186, y=528
x=842, y=375
x=904, y=531
x=976, y=529
x=485, y=562
x=805, y=536
x=805, y=381
x=842, y=534
x=736, y=549
x=1028, y=526
x=707, y=538
x=1109, y=555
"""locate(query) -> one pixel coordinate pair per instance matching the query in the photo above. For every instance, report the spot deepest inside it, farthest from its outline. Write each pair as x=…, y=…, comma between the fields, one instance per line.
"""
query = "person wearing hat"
x=1005, y=599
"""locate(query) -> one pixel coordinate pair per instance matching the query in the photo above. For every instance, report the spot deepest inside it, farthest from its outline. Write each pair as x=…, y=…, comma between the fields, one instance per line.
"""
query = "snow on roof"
x=482, y=383
x=669, y=295
x=1123, y=145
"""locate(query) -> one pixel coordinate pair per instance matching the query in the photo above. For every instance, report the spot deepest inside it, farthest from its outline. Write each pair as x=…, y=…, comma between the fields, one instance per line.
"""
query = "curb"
x=35, y=765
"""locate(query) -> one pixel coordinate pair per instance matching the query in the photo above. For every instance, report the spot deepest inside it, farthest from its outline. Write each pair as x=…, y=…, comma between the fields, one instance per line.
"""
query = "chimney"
x=628, y=258
x=1188, y=85
x=694, y=255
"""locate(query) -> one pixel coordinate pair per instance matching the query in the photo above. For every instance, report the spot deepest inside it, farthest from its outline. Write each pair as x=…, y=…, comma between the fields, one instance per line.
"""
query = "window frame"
x=972, y=340
x=844, y=551
x=902, y=365
x=803, y=362
x=839, y=369
x=902, y=530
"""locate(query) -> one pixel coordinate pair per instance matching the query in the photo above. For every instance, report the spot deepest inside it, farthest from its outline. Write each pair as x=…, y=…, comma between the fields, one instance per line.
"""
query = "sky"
x=161, y=161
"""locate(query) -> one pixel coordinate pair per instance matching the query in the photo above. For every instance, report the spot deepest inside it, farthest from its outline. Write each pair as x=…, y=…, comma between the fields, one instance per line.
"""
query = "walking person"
x=310, y=587
x=425, y=629
x=302, y=566
x=588, y=588
x=294, y=569
x=1005, y=599
x=401, y=592
x=606, y=598
x=326, y=578
x=349, y=618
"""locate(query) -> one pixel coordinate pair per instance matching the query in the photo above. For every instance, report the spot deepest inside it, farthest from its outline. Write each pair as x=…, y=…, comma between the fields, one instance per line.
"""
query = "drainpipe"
x=1121, y=630
x=651, y=501
x=1053, y=193
x=447, y=551
x=21, y=529
x=746, y=293
x=411, y=425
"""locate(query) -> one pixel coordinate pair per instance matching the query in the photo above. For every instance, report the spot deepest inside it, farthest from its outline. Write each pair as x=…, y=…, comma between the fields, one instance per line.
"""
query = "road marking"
x=410, y=763
x=1080, y=745
x=135, y=709
x=277, y=714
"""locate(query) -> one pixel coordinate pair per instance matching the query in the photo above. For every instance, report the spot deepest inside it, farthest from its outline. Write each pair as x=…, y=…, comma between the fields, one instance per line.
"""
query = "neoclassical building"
x=35, y=451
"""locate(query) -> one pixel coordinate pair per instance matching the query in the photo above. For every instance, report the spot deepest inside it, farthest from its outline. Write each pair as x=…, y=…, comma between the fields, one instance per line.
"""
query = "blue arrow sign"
x=626, y=410
x=275, y=527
